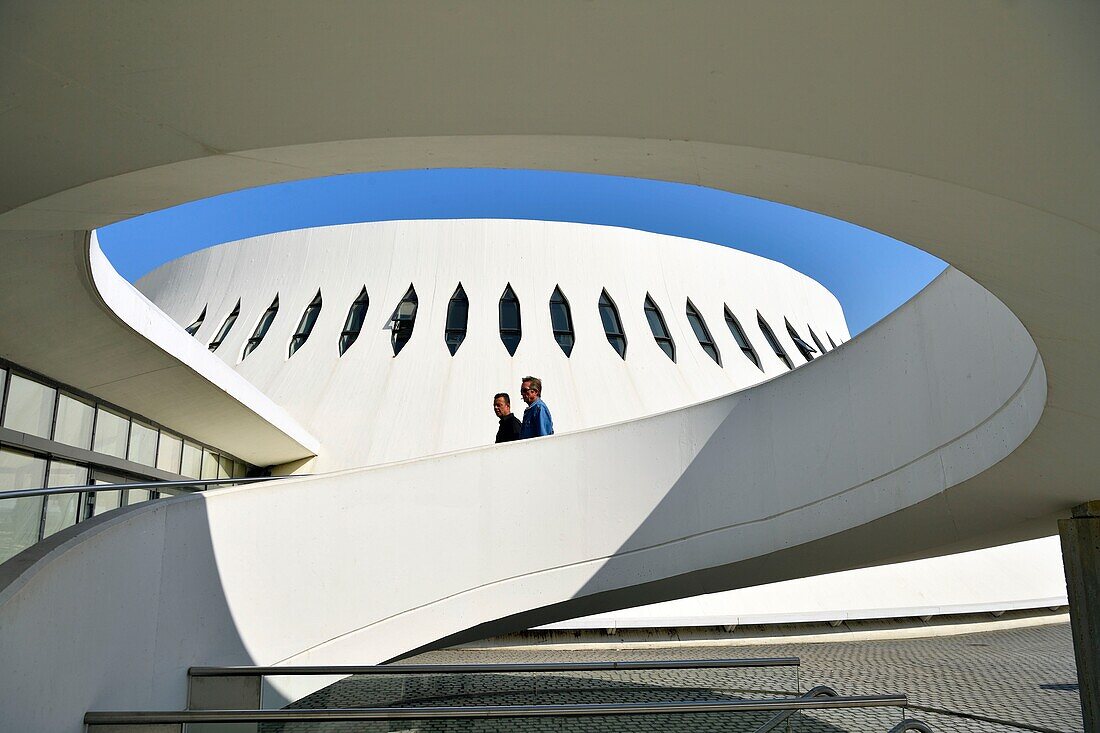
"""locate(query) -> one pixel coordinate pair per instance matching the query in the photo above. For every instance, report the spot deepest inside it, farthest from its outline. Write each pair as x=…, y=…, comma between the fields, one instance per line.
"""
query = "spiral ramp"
x=967, y=418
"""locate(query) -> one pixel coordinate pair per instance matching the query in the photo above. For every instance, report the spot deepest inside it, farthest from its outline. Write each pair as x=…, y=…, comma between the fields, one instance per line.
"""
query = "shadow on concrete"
x=576, y=688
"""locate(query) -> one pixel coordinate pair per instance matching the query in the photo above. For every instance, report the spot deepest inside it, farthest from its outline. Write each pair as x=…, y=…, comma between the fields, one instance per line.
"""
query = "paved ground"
x=995, y=681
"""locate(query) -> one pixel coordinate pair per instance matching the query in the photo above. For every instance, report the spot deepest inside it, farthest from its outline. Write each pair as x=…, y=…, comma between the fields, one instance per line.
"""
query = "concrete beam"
x=1081, y=556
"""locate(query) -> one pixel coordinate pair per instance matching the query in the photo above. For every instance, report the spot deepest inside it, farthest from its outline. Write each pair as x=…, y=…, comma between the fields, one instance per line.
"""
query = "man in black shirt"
x=509, y=423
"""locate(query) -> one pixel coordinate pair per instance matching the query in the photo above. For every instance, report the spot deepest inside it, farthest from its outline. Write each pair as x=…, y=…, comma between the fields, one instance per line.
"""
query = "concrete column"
x=1081, y=556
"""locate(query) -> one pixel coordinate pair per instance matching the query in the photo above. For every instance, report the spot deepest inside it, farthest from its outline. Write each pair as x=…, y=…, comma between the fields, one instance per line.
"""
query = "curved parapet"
x=872, y=453
x=65, y=312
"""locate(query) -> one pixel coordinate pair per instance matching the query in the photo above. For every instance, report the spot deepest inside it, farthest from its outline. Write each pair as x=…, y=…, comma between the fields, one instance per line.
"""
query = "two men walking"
x=536, y=418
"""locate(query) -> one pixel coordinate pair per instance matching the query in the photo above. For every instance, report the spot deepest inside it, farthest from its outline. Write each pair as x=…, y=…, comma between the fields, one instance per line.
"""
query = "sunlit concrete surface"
x=967, y=418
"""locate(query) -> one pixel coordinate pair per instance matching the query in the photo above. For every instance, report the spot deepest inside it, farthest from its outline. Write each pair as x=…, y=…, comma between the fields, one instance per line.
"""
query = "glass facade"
x=19, y=518
x=169, y=452
x=111, y=433
x=75, y=418
x=73, y=425
x=192, y=460
x=29, y=407
x=61, y=509
x=143, y=444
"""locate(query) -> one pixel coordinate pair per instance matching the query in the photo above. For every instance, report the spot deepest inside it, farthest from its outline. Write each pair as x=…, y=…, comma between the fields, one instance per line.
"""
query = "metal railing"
x=290, y=715
x=185, y=487
x=23, y=526
x=494, y=668
x=209, y=687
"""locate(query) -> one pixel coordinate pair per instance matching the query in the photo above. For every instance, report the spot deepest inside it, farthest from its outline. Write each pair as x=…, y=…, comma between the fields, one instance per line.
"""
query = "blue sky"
x=870, y=274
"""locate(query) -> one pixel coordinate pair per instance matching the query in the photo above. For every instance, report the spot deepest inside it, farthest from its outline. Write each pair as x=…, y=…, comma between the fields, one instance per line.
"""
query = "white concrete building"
x=966, y=419
x=368, y=405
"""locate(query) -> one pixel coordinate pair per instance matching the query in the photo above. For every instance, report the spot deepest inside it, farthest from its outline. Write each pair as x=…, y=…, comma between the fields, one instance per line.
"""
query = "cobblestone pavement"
x=1023, y=677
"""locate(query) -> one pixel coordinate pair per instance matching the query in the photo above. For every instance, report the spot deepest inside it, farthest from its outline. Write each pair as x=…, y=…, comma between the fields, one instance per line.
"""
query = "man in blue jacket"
x=536, y=418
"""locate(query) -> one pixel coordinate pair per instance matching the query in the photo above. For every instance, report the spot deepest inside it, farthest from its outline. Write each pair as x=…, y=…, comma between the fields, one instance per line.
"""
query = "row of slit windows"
x=403, y=321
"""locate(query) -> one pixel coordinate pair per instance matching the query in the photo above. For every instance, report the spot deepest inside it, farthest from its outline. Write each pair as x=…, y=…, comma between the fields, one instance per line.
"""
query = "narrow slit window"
x=741, y=339
x=831, y=342
x=702, y=333
x=773, y=341
x=226, y=327
x=804, y=348
x=820, y=346
x=458, y=316
x=261, y=328
x=510, y=325
x=612, y=324
x=353, y=324
x=660, y=330
x=194, y=327
x=404, y=318
x=561, y=319
x=305, y=326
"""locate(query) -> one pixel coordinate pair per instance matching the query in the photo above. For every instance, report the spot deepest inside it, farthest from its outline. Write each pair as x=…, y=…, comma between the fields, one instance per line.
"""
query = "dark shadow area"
x=1062, y=687
x=573, y=688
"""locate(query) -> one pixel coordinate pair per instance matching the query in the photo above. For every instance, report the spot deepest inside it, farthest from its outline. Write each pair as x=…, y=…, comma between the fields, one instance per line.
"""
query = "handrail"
x=303, y=715
x=777, y=720
x=21, y=493
x=381, y=669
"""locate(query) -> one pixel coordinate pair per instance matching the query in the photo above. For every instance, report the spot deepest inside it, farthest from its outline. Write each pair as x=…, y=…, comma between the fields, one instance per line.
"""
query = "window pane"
x=19, y=518
x=225, y=467
x=192, y=460
x=558, y=317
x=355, y=317
x=209, y=465
x=136, y=496
x=61, y=508
x=168, y=452
x=655, y=324
x=143, y=444
x=509, y=314
x=3, y=381
x=511, y=341
x=74, y=422
x=666, y=346
x=105, y=501
x=30, y=407
x=63, y=473
x=19, y=470
x=697, y=327
x=240, y=469
x=111, y=432
x=608, y=317
x=458, y=314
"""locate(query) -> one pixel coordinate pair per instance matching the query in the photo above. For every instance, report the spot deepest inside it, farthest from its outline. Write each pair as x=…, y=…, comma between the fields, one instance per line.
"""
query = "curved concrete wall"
x=66, y=313
x=368, y=406
x=874, y=446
